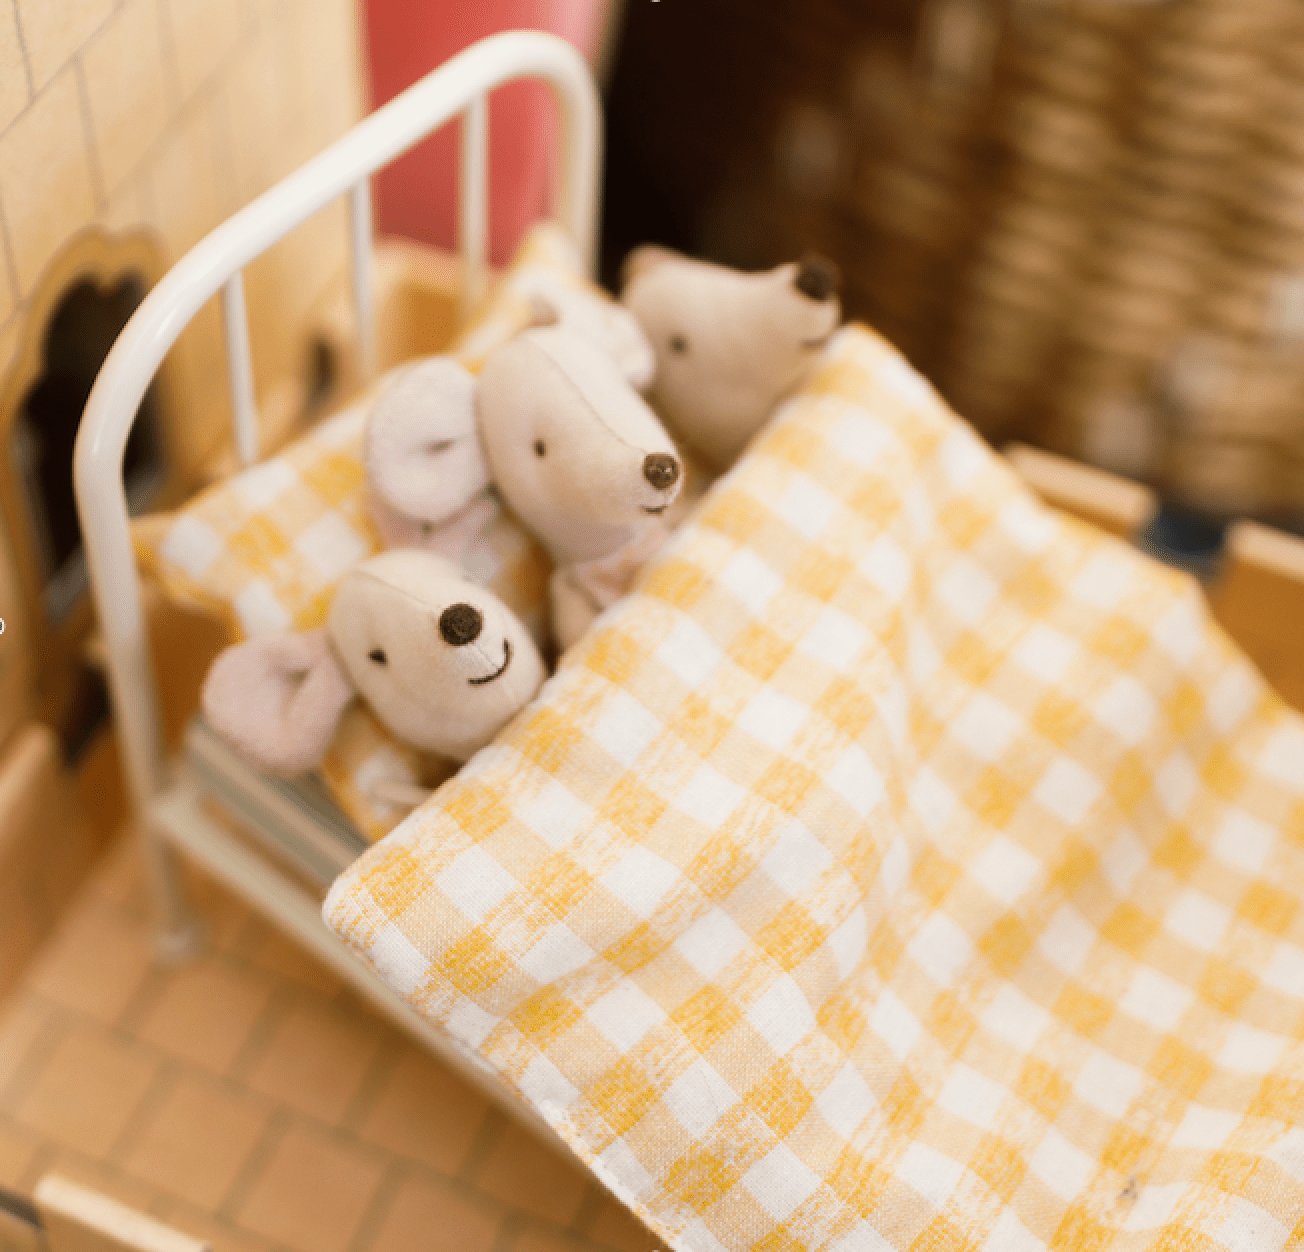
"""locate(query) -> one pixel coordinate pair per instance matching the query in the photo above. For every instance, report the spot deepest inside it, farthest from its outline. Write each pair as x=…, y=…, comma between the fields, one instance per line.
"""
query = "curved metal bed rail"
x=459, y=87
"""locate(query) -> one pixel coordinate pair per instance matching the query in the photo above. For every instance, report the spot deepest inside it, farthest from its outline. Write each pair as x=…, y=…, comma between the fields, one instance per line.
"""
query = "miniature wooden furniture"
x=1259, y=598
x=1114, y=504
x=67, y=1217
x=1258, y=592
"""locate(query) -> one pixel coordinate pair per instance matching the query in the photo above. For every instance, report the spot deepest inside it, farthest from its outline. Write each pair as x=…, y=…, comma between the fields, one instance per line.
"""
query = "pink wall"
x=405, y=38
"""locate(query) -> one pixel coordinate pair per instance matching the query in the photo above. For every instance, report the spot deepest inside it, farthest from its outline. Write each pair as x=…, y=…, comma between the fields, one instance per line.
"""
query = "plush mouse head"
x=426, y=472
x=729, y=346
x=575, y=451
x=442, y=662
x=607, y=325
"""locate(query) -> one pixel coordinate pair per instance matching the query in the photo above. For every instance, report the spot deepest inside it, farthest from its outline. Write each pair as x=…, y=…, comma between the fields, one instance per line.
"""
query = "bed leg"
x=179, y=936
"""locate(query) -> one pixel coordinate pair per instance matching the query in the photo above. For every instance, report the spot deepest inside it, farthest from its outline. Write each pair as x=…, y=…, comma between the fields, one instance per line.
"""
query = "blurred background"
x=1082, y=219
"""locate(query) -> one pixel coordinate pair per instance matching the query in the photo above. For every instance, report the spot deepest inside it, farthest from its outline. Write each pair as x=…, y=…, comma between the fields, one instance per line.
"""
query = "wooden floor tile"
x=532, y=1176
x=197, y=1139
x=88, y=1088
x=313, y=1192
x=204, y=1012
x=95, y=962
x=314, y=1059
x=430, y=1214
x=269, y=950
x=25, y=1026
x=424, y=1112
x=200, y=1224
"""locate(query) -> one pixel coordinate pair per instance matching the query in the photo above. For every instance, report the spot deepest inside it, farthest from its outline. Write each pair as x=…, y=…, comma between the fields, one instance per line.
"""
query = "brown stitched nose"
x=660, y=470
x=460, y=624
x=817, y=277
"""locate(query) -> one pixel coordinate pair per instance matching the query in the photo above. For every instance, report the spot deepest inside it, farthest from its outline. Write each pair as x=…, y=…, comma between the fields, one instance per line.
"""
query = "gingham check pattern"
x=902, y=865
x=264, y=549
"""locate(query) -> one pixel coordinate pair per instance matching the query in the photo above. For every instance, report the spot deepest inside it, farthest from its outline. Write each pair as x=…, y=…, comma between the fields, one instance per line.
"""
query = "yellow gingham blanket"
x=902, y=865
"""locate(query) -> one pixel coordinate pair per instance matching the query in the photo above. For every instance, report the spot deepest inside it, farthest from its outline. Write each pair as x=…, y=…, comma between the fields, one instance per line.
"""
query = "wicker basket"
x=1084, y=220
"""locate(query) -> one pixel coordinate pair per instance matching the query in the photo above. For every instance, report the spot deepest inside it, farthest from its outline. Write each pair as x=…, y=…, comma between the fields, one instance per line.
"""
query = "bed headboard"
x=214, y=267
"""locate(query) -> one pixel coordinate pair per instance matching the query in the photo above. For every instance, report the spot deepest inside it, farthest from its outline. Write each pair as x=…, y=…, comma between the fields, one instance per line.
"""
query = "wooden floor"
x=248, y=1098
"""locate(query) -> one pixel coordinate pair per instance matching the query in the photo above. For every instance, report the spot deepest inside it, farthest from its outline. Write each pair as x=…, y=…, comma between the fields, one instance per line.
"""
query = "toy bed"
x=902, y=864
x=292, y=838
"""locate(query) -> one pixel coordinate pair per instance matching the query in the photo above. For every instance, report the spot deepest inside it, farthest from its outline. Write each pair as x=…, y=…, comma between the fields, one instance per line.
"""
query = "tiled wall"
x=170, y=114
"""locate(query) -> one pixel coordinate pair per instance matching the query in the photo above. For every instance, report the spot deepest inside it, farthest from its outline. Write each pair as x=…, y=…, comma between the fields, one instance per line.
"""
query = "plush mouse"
x=729, y=346
x=428, y=484
x=427, y=480
x=440, y=661
x=582, y=460
x=607, y=325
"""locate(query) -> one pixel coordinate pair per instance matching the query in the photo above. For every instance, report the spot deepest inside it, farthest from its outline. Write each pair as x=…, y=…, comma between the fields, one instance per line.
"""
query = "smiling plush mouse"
x=730, y=346
x=582, y=460
x=440, y=661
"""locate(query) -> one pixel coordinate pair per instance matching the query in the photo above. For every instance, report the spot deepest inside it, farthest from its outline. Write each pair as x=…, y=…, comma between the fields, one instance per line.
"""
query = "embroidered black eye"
x=540, y=448
x=679, y=344
x=378, y=655
x=441, y=445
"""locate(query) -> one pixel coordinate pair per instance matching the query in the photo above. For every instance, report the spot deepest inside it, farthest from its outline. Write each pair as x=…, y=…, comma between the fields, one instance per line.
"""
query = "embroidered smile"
x=500, y=671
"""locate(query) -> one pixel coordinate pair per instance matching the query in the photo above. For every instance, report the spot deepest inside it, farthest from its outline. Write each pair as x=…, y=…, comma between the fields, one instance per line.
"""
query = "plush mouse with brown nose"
x=427, y=479
x=730, y=346
x=582, y=460
x=442, y=663
x=554, y=422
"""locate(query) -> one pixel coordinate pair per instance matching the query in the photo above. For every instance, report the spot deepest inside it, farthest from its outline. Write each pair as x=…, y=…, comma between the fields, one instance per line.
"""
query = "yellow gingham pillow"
x=264, y=549
x=902, y=865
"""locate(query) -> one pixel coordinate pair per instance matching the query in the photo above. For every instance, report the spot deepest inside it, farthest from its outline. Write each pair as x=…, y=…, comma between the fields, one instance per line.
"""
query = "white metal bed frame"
x=168, y=797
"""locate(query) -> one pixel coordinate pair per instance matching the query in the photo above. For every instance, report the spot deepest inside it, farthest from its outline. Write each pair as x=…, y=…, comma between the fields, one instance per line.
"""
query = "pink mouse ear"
x=421, y=447
x=277, y=700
